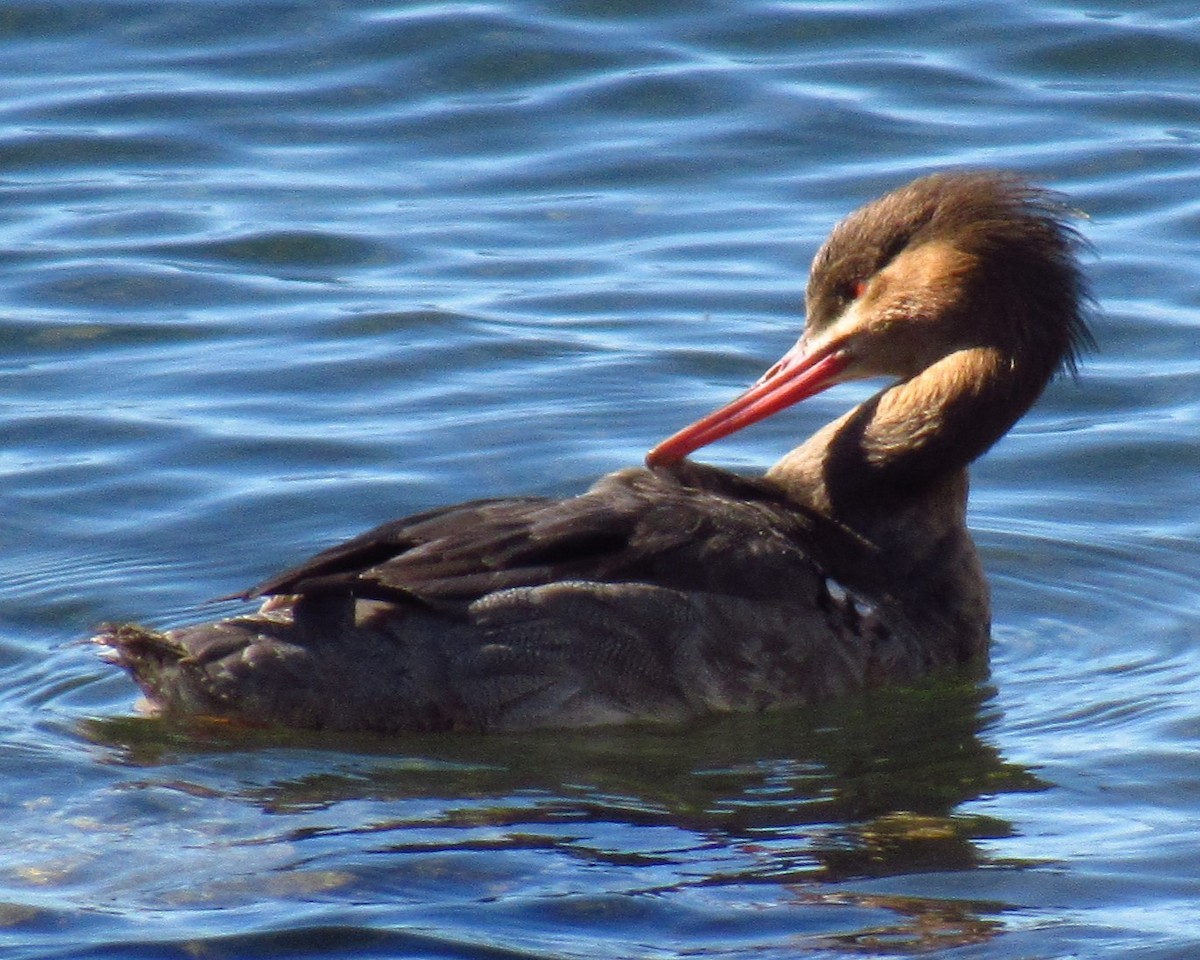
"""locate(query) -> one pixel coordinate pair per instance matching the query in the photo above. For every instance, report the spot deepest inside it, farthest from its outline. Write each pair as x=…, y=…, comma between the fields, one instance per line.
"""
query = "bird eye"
x=850, y=290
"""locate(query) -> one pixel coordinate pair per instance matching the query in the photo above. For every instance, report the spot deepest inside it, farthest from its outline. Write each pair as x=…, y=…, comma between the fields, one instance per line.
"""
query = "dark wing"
x=447, y=543
x=686, y=527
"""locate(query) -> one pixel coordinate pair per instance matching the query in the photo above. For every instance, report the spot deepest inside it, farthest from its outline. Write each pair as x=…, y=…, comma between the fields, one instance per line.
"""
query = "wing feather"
x=688, y=527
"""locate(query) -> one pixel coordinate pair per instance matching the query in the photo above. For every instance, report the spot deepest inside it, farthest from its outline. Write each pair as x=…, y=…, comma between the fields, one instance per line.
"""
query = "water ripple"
x=278, y=271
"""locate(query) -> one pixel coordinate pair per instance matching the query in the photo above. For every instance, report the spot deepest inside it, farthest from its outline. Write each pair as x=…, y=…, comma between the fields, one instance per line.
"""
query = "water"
x=274, y=272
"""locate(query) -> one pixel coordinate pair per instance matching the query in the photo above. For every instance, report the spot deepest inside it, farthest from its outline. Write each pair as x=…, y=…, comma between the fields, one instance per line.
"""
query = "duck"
x=677, y=590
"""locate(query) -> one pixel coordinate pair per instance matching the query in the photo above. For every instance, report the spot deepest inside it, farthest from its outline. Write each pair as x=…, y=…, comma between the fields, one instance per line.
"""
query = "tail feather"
x=158, y=663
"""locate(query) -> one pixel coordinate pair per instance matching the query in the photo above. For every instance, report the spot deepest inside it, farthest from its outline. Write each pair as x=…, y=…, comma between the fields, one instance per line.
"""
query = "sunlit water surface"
x=274, y=272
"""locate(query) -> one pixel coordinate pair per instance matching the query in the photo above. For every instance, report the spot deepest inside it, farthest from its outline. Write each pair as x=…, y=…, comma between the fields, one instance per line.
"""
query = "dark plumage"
x=679, y=590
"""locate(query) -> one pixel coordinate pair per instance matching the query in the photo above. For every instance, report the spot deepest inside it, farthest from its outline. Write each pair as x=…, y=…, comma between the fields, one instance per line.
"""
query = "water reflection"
x=816, y=802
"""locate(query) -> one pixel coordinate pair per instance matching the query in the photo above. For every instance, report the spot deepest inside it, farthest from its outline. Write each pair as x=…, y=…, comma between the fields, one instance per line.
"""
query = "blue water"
x=274, y=272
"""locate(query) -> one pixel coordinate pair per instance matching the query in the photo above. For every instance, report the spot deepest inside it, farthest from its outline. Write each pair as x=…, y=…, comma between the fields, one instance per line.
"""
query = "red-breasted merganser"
x=677, y=590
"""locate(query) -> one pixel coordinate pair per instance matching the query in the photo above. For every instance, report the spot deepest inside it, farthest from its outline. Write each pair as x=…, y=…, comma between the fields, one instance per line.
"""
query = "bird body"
x=678, y=590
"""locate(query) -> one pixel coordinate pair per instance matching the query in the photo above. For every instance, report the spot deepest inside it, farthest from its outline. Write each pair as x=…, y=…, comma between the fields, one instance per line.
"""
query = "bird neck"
x=893, y=472
x=909, y=445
